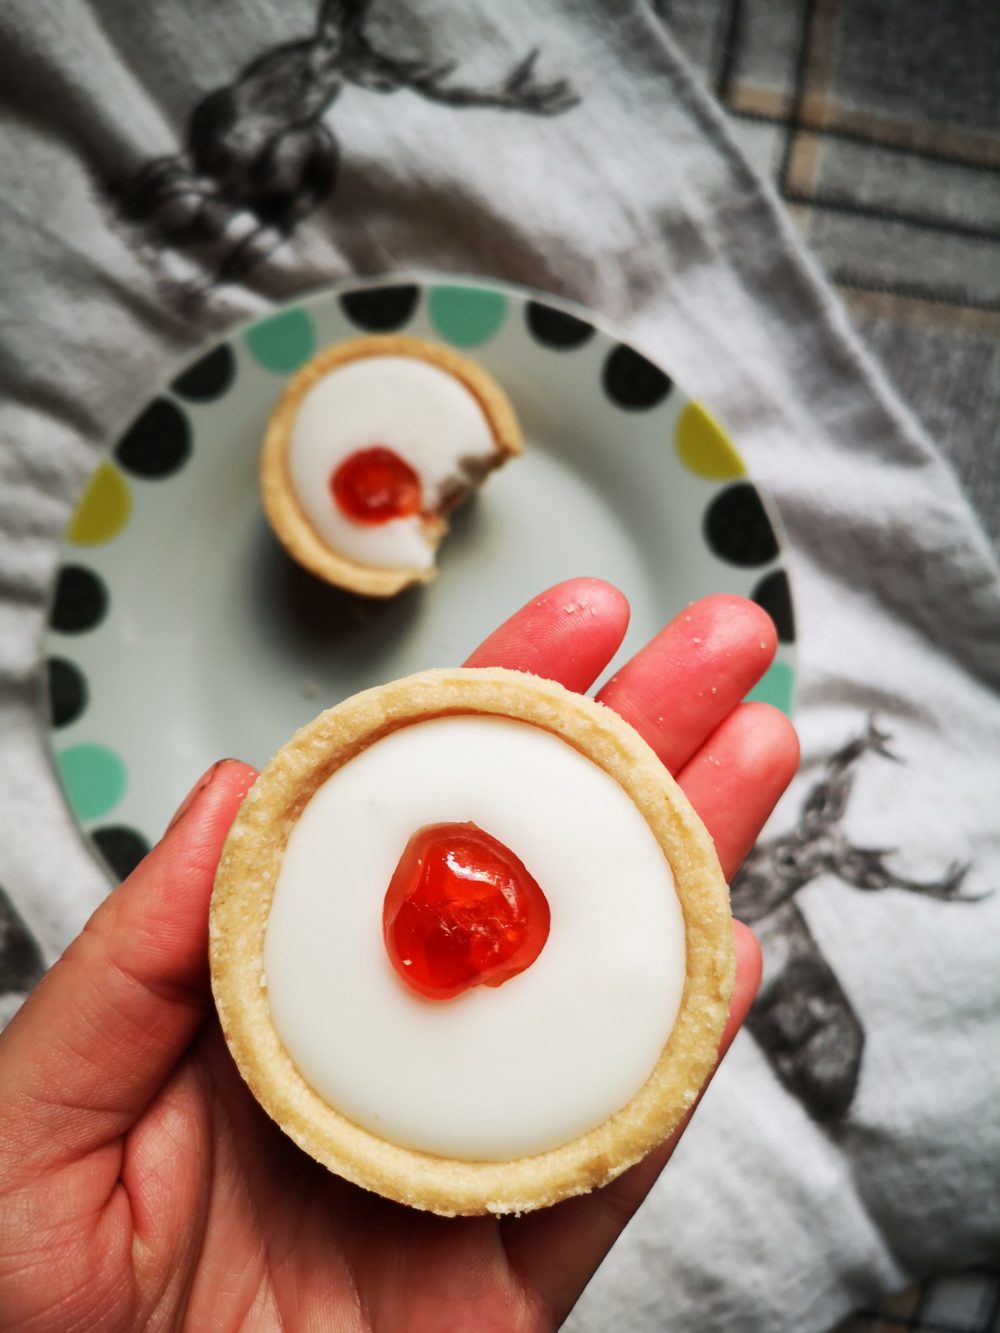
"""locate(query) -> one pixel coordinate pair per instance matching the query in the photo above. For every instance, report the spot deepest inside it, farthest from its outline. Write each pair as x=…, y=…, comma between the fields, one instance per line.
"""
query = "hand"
x=141, y=1185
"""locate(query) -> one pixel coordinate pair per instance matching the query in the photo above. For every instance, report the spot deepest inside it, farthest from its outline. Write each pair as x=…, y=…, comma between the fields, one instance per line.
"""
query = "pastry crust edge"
x=241, y=900
x=284, y=513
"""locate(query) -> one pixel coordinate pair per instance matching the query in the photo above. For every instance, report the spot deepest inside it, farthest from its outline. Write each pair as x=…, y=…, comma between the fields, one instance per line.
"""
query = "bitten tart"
x=372, y=444
x=471, y=948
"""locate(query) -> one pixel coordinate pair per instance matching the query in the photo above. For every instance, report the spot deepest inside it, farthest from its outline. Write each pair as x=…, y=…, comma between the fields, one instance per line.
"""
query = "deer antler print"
x=817, y=845
x=258, y=148
x=517, y=91
x=803, y=1020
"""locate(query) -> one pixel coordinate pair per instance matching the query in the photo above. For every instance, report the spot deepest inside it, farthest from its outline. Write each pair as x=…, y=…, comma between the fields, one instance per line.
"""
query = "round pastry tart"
x=369, y=448
x=471, y=948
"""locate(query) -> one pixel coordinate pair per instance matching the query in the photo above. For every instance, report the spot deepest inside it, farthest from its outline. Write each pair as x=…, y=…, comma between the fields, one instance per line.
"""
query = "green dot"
x=466, y=316
x=776, y=687
x=93, y=777
x=103, y=510
x=704, y=446
x=283, y=342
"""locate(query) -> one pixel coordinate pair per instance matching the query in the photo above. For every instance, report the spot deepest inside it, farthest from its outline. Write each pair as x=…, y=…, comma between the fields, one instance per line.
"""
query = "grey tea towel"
x=852, y=1139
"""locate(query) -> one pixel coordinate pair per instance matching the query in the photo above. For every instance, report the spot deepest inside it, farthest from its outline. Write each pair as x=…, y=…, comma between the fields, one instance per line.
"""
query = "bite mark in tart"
x=370, y=447
x=570, y=930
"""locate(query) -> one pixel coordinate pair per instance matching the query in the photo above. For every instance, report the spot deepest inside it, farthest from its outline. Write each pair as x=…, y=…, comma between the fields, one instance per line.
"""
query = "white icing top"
x=495, y=1072
x=426, y=416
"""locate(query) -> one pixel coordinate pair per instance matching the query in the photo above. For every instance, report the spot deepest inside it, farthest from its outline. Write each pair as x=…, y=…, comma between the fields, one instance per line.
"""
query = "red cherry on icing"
x=461, y=910
x=374, y=485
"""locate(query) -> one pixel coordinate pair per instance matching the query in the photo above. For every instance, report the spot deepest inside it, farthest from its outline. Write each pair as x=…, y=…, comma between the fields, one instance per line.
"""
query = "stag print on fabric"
x=260, y=151
x=803, y=1020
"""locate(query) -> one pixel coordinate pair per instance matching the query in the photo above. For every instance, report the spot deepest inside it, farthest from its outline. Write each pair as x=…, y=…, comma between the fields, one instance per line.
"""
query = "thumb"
x=101, y=1032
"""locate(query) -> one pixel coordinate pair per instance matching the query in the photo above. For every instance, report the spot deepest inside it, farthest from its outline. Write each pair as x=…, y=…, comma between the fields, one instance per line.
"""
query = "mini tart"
x=241, y=902
x=283, y=509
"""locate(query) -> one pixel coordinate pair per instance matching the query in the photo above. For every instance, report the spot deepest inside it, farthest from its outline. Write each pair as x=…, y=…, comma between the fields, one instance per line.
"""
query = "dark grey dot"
x=80, y=600
x=737, y=527
x=121, y=848
x=555, y=328
x=157, y=443
x=209, y=377
x=633, y=382
x=775, y=596
x=67, y=688
x=381, y=309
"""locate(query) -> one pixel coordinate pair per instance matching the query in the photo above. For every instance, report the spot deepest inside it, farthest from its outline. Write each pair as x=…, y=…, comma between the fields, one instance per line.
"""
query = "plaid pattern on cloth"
x=966, y=1303
x=878, y=122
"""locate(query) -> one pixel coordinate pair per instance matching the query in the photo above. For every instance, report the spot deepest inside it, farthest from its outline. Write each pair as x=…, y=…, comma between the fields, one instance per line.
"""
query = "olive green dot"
x=704, y=446
x=103, y=510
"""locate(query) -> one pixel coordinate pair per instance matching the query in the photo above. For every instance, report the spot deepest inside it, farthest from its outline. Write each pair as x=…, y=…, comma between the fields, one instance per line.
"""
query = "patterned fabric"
x=879, y=124
x=159, y=133
x=967, y=1303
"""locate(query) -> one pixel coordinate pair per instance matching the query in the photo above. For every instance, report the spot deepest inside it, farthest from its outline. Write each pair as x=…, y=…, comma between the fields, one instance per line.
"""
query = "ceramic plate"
x=180, y=632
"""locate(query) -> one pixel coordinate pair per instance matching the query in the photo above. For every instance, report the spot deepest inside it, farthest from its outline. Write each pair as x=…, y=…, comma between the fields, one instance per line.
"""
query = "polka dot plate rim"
x=179, y=631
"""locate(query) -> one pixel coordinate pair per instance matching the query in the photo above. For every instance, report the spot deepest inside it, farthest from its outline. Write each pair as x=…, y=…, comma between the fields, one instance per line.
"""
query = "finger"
x=569, y=633
x=101, y=1032
x=686, y=680
x=735, y=778
x=556, y=1252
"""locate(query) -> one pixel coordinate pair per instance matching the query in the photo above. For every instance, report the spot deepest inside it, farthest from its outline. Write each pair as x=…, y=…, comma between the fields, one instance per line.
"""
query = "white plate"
x=180, y=632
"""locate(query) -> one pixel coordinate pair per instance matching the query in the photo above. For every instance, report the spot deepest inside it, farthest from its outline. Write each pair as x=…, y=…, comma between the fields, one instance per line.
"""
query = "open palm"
x=140, y=1184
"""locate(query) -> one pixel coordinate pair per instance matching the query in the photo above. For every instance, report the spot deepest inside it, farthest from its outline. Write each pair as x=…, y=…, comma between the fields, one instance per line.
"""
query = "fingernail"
x=204, y=781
